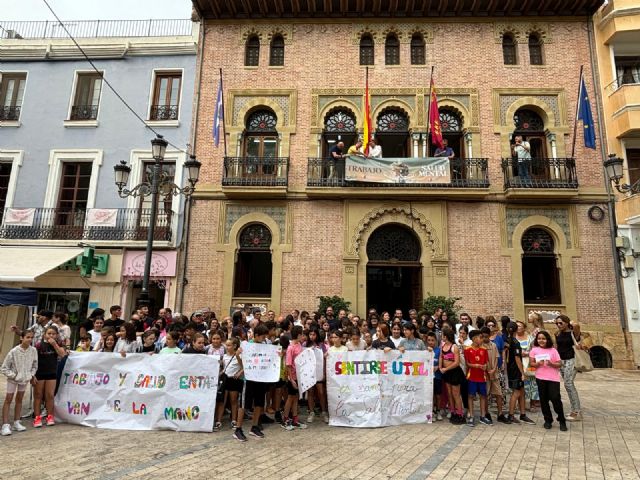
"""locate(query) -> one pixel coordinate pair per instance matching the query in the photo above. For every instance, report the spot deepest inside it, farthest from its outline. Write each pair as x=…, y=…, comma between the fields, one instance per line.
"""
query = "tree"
x=338, y=303
x=448, y=304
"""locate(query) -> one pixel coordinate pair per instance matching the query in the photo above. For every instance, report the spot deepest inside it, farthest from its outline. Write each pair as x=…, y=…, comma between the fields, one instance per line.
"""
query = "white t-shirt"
x=234, y=366
x=396, y=341
x=95, y=337
x=375, y=152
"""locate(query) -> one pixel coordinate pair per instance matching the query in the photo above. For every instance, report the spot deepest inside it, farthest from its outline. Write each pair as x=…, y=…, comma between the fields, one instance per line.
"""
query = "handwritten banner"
x=397, y=170
x=139, y=392
x=306, y=370
x=376, y=389
x=261, y=362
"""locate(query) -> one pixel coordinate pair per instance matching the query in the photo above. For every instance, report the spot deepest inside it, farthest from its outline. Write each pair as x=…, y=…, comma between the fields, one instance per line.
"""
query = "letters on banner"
x=261, y=362
x=306, y=371
x=397, y=170
x=139, y=392
x=377, y=389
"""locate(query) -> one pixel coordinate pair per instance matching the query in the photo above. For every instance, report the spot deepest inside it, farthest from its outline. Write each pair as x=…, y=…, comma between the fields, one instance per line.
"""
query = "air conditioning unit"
x=635, y=241
x=623, y=242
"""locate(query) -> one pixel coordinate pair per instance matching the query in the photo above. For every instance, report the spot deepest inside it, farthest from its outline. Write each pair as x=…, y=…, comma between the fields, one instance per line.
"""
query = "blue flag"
x=218, y=117
x=584, y=114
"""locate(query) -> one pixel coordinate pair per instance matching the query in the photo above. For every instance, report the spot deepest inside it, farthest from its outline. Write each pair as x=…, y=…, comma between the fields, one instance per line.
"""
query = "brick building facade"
x=275, y=202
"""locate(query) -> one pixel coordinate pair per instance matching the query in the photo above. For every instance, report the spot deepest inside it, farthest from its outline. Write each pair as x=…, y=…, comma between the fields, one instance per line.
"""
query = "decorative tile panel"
x=559, y=215
x=236, y=211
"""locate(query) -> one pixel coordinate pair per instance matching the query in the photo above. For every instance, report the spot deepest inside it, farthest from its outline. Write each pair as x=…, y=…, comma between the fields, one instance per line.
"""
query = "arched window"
x=540, y=274
x=392, y=133
x=418, y=50
x=392, y=50
x=253, y=265
x=531, y=127
x=366, y=49
x=276, y=53
x=451, y=126
x=261, y=143
x=393, y=243
x=339, y=125
x=509, y=49
x=535, y=49
x=393, y=120
x=252, y=51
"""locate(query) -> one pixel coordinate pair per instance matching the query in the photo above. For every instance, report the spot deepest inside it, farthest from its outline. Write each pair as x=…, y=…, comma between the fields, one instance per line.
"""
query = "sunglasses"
x=559, y=323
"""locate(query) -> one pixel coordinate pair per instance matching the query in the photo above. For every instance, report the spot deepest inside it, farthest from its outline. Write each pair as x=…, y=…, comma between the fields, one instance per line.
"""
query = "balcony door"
x=531, y=127
x=393, y=134
x=261, y=144
x=70, y=213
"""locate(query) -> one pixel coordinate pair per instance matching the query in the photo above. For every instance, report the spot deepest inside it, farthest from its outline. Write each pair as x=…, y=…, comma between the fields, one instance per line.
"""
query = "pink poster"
x=163, y=264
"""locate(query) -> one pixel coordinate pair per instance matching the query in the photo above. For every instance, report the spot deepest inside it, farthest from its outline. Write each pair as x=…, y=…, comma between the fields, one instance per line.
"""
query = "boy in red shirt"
x=291, y=405
x=477, y=359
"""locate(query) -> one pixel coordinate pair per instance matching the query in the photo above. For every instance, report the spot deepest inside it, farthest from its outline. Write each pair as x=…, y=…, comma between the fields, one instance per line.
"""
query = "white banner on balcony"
x=19, y=216
x=102, y=217
x=397, y=170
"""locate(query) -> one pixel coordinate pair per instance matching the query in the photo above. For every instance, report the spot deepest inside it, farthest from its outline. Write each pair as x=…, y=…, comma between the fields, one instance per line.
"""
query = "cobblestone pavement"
x=605, y=445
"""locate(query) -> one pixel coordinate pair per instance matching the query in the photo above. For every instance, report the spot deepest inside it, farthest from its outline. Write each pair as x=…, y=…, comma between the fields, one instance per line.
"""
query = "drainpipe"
x=611, y=203
x=182, y=268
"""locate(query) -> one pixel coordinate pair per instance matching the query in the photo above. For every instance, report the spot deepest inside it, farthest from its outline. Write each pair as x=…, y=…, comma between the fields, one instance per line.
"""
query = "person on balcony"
x=522, y=150
x=356, y=149
x=375, y=150
x=336, y=153
x=445, y=151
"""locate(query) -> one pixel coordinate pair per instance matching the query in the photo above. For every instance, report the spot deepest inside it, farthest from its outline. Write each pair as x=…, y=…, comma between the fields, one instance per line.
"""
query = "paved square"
x=606, y=445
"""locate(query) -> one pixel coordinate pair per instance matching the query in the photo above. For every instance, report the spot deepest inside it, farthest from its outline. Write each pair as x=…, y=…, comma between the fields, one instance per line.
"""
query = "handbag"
x=221, y=382
x=582, y=359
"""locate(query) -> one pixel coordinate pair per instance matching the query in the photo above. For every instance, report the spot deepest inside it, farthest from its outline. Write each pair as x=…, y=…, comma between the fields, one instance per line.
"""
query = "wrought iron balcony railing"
x=465, y=173
x=101, y=224
x=164, y=112
x=84, y=112
x=540, y=173
x=10, y=113
x=256, y=171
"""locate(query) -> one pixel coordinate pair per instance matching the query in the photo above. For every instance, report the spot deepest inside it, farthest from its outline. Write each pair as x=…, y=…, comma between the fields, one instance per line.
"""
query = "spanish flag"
x=366, y=121
x=434, y=119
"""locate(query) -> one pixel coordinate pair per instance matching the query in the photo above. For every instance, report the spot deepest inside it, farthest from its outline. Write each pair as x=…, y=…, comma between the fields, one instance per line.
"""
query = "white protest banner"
x=22, y=217
x=139, y=392
x=306, y=370
x=376, y=389
x=261, y=362
x=102, y=217
x=319, y=364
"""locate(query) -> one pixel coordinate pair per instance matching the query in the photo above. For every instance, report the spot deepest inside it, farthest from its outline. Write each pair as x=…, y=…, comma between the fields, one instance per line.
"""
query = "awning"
x=18, y=296
x=24, y=264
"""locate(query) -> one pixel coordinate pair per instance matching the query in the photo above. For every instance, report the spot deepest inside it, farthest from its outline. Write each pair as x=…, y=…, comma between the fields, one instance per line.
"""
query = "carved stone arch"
x=255, y=217
x=259, y=102
x=338, y=104
x=456, y=107
x=540, y=30
x=392, y=29
x=285, y=33
x=380, y=216
x=394, y=103
x=366, y=30
x=535, y=104
x=544, y=223
x=251, y=31
x=427, y=35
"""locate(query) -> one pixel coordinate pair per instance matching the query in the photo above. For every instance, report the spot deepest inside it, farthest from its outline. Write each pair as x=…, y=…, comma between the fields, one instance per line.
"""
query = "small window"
x=366, y=50
x=87, y=97
x=276, y=55
x=627, y=70
x=418, y=50
x=540, y=274
x=252, y=52
x=535, y=50
x=166, y=96
x=509, y=50
x=11, y=94
x=633, y=164
x=392, y=50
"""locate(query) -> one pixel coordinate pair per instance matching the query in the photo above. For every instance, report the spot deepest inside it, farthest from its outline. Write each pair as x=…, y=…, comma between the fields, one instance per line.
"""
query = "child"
x=96, y=333
x=515, y=374
x=254, y=393
x=279, y=393
x=49, y=350
x=291, y=406
x=318, y=389
x=85, y=344
x=171, y=346
x=19, y=366
x=128, y=342
x=149, y=341
x=356, y=342
x=64, y=331
x=215, y=347
x=110, y=342
x=410, y=342
x=432, y=343
x=493, y=382
x=197, y=344
x=104, y=331
x=477, y=360
x=233, y=384
x=336, y=343
x=546, y=360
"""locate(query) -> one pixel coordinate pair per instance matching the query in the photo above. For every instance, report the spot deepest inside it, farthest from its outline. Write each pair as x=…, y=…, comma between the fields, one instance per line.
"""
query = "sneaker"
x=504, y=419
x=311, y=417
x=256, y=432
x=563, y=426
x=527, y=420
x=18, y=427
x=547, y=425
x=278, y=416
x=574, y=417
x=486, y=421
x=488, y=417
x=471, y=422
x=325, y=417
x=217, y=426
x=234, y=425
x=50, y=421
x=37, y=421
x=6, y=430
x=288, y=425
x=238, y=434
x=513, y=419
x=449, y=415
x=266, y=419
x=299, y=425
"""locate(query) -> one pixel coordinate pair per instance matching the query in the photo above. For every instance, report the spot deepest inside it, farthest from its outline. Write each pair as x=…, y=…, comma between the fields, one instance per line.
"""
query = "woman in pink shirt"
x=546, y=360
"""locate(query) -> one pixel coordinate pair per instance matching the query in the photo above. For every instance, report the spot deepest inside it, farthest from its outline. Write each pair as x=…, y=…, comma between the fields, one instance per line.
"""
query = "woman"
x=96, y=332
x=373, y=323
x=383, y=342
x=535, y=319
x=452, y=375
x=410, y=341
x=567, y=332
x=530, y=388
x=396, y=334
x=128, y=342
x=463, y=341
x=386, y=318
x=64, y=331
x=498, y=340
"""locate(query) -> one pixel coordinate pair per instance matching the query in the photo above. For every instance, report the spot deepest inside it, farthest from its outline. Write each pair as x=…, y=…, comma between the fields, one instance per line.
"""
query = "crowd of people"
x=485, y=359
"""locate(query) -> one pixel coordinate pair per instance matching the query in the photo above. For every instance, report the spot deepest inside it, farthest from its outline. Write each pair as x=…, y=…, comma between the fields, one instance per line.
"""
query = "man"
x=375, y=150
x=356, y=149
x=334, y=324
x=413, y=316
x=166, y=314
x=398, y=314
x=445, y=151
x=271, y=316
x=465, y=320
x=257, y=314
x=522, y=150
x=248, y=312
x=336, y=153
x=114, y=321
x=43, y=320
x=198, y=319
x=143, y=312
x=295, y=313
x=342, y=317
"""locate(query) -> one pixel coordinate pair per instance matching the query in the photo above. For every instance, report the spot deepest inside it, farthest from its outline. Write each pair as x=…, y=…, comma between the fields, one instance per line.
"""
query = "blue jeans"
x=523, y=169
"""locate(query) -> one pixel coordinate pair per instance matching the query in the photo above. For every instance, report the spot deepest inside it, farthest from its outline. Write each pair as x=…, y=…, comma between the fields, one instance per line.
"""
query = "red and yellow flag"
x=366, y=121
x=434, y=119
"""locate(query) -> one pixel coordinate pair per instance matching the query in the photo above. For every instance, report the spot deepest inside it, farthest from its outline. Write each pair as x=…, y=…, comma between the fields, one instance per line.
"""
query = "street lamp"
x=159, y=183
x=613, y=167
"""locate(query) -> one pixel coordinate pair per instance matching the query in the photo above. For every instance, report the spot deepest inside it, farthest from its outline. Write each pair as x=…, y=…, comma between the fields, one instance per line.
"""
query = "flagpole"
x=575, y=122
x=429, y=108
x=224, y=129
x=367, y=107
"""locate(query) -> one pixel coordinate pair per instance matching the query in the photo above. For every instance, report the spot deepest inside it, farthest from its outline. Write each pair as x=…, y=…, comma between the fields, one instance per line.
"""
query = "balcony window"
x=628, y=70
x=252, y=52
x=366, y=50
x=540, y=275
x=418, y=50
x=72, y=199
x=11, y=94
x=535, y=50
x=164, y=201
x=253, y=265
x=276, y=53
x=339, y=125
x=392, y=50
x=5, y=175
x=87, y=97
x=166, y=96
x=392, y=133
x=633, y=164
x=509, y=50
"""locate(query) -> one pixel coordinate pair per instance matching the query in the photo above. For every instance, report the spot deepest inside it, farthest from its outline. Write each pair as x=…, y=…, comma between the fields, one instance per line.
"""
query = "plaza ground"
x=606, y=445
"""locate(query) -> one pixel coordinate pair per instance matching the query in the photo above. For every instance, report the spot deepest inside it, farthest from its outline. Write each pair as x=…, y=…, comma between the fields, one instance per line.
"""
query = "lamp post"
x=159, y=184
x=613, y=167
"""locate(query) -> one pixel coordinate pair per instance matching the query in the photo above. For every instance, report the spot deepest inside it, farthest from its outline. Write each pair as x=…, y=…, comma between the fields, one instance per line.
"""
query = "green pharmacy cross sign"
x=91, y=261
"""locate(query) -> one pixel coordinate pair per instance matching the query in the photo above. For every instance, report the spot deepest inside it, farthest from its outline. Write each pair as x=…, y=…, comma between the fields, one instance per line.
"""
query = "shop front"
x=162, y=280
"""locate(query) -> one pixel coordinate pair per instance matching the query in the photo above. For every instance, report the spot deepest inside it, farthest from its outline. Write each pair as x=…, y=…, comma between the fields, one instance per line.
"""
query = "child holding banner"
x=49, y=350
x=233, y=383
x=318, y=390
x=291, y=406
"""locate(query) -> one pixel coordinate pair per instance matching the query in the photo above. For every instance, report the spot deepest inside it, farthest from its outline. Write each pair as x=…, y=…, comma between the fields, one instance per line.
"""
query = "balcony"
x=469, y=174
x=84, y=112
x=164, y=112
x=122, y=224
x=625, y=120
x=539, y=174
x=255, y=172
x=10, y=113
